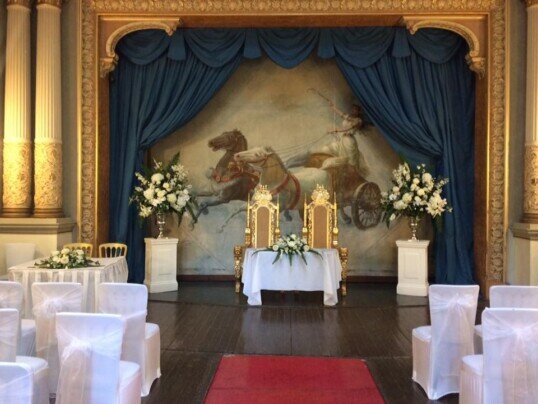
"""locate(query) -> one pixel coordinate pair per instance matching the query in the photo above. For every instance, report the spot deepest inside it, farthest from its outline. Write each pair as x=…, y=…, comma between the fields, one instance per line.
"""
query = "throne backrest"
x=320, y=221
x=262, y=219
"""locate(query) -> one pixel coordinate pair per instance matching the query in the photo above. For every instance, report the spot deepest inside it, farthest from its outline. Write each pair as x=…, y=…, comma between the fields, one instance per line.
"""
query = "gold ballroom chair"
x=262, y=228
x=86, y=247
x=112, y=250
x=320, y=227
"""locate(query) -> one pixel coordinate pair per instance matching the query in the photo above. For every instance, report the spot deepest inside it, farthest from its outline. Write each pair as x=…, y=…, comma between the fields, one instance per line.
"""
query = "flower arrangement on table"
x=291, y=245
x=67, y=259
x=163, y=189
x=414, y=194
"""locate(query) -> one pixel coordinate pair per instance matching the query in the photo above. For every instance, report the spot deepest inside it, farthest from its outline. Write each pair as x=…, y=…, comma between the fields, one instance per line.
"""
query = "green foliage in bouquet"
x=415, y=193
x=164, y=188
x=67, y=259
x=291, y=245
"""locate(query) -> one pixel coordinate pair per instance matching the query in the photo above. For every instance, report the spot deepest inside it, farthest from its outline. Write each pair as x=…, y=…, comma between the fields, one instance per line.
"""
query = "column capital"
x=54, y=3
x=531, y=3
x=23, y=3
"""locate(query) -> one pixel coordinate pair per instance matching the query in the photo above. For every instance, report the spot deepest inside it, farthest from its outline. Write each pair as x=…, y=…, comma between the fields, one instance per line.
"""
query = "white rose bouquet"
x=414, y=193
x=291, y=245
x=164, y=189
x=67, y=259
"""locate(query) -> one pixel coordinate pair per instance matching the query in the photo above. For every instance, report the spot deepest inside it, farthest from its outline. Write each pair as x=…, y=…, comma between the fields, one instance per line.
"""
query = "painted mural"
x=289, y=130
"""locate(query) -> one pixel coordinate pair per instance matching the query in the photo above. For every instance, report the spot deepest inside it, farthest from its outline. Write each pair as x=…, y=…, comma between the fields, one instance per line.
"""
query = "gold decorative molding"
x=497, y=222
x=95, y=12
x=23, y=3
x=17, y=196
x=108, y=62
x=48, y=180
x=530, y=183
x=531, y=3
x=468, y=28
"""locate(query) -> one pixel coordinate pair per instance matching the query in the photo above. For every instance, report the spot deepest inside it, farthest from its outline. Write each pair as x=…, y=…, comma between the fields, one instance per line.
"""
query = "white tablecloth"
x=112, y=270
x=322, y=273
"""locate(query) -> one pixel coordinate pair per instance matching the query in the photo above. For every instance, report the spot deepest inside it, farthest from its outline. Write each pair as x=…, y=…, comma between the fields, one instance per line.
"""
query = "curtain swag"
x=416, y=89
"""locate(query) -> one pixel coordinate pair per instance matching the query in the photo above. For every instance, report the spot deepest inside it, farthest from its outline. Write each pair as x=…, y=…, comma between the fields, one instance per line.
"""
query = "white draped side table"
x=161, y=264
x=412, y=267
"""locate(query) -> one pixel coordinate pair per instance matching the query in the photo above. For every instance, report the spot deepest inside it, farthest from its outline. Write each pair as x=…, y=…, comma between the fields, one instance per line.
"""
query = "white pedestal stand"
x=161, y=264
x=412, y=267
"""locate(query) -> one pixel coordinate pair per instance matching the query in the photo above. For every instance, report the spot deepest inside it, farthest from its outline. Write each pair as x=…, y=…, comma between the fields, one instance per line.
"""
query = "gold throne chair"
x=262, y=228
x=321, y=227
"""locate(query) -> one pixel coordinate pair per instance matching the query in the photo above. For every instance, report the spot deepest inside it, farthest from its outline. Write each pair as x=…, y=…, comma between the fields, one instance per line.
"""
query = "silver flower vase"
x=413, y=225
x=161, y=223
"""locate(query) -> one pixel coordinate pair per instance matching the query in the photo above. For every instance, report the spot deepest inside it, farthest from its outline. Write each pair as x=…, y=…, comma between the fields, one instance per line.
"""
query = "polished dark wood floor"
x=205, y=320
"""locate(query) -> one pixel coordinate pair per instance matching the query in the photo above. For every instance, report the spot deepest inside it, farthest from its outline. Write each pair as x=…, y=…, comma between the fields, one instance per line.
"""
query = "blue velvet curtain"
x=416, y=89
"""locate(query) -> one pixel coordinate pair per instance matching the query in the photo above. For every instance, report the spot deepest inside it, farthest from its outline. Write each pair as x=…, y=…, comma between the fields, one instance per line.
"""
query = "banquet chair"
x=141, y=341
x=50, y=298
x=438, y=349
x=36, y=367
x=91, y=370
x=11, y=297
x=320, y=227
x=509, y=297
x=111, y=250
x=17, y=253
x=262, y=228
x=506, y=372
x=86, y=247
x=16, y=384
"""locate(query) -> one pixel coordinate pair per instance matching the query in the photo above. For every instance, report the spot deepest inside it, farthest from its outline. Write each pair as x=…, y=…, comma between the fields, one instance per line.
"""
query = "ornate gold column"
x=48, y=120
x=17, y=170
x=530, y=201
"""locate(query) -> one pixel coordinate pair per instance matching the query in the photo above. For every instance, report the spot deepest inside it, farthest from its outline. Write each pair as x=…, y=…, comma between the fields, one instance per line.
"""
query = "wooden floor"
x=203, y=321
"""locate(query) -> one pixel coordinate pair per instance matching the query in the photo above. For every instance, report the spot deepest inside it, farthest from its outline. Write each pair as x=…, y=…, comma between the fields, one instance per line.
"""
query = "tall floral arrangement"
x=162, y=189
x=414, y=193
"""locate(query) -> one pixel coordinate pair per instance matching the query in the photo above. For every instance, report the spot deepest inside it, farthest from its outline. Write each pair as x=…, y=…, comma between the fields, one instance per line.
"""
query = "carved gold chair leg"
x=238, y=256
x=343, y=260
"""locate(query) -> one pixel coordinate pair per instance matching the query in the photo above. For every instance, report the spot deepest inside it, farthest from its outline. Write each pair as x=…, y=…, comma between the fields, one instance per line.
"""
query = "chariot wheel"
x=366, y=206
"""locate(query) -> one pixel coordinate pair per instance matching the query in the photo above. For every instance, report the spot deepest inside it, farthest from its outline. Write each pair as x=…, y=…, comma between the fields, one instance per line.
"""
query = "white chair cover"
x=9, y=336
x=17, y=253
x=91, y=371
x=49, y=299
x=16, y=384
x=11, y=297
x=510, y=297
x=141, y=342
x=437, y=350
x=510, y=356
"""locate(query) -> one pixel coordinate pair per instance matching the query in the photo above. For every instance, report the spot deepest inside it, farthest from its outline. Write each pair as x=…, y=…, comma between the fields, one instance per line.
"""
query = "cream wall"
x=516, y=45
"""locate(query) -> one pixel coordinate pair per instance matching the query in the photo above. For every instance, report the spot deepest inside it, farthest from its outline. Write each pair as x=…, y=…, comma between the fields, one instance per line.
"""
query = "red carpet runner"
x=292, y=379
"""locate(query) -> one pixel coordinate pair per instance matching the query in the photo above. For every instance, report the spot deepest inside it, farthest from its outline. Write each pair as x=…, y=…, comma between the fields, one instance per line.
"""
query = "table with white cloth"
x=322, y=273
x=109, y=270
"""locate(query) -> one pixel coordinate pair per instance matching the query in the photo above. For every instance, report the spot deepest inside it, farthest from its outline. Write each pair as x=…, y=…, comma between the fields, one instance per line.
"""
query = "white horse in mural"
x=291, y=186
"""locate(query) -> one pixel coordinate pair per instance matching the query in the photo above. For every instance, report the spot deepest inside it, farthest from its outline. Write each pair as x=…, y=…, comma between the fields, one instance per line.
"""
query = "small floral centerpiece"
x=67, y=259
x=164, y=189
x=414, y=194
x=291, y=245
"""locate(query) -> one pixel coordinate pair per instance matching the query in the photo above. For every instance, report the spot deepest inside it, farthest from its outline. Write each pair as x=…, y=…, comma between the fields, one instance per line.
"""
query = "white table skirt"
x=112, y=270
x=322, y=273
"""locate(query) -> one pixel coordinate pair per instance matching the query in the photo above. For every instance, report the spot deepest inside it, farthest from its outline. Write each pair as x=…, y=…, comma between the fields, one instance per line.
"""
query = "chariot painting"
x=289, y=130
